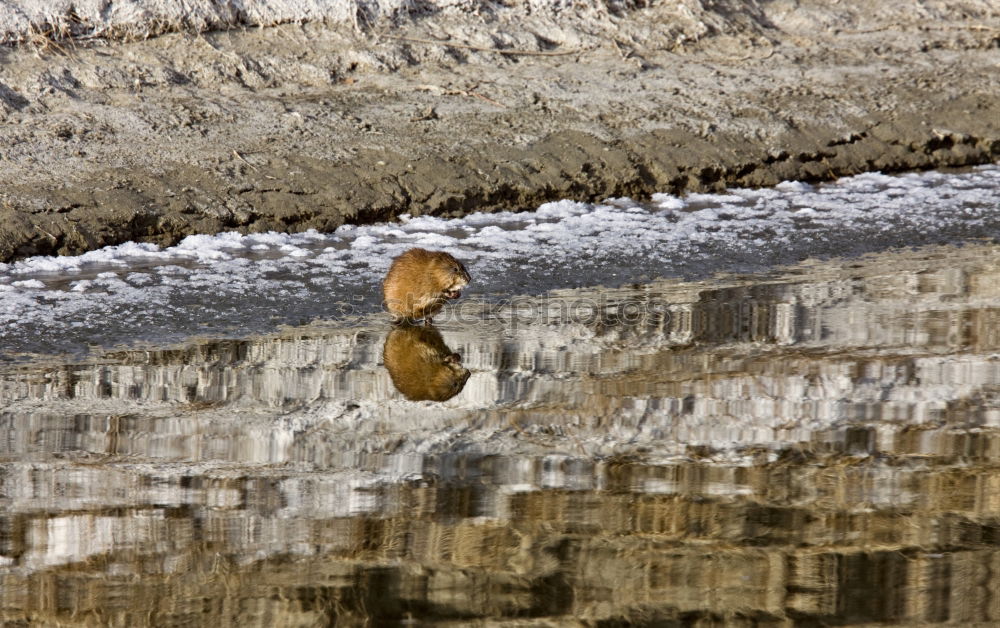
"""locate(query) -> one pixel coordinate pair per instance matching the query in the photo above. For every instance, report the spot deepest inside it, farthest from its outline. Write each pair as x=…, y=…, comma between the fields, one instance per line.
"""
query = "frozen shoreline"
x=235, y=285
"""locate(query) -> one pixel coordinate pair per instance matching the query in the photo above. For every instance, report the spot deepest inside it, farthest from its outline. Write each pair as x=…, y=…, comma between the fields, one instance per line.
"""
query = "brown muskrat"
x=419, y=282
x=421, y=366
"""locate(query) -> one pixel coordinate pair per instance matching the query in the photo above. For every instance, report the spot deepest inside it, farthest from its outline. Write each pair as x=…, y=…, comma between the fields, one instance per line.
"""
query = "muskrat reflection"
x=421, y=366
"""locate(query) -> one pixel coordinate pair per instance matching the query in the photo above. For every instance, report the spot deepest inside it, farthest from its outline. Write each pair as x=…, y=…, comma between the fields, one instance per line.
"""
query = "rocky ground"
x=477, y=106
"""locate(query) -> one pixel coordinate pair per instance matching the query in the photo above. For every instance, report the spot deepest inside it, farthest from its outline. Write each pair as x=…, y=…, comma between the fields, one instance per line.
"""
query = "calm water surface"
x=812, y=446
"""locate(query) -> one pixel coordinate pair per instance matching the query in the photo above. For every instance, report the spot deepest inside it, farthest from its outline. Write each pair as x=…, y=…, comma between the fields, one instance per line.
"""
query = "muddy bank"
x=303, y=126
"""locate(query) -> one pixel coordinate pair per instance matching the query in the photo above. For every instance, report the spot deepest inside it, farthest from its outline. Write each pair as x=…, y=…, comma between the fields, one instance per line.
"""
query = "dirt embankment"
x=300, y=126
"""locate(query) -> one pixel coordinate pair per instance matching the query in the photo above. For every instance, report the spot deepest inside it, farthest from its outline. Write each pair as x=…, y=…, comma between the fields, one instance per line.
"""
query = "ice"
x=240, y=283
x=433, y=240
x=793, y=186
x=28, y=283
x=668, y=201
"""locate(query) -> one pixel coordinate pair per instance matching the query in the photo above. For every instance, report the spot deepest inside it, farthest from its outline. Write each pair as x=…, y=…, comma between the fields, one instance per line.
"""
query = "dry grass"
x=24, y=24
x=48, y=39
x=52, y=33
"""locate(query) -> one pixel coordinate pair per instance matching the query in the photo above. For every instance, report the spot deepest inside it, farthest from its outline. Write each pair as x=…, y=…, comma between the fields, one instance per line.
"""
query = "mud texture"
x=309, y=126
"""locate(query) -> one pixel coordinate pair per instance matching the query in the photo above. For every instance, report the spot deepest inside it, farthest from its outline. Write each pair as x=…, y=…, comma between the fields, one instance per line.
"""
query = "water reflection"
x=421, y=366
x=816, y=446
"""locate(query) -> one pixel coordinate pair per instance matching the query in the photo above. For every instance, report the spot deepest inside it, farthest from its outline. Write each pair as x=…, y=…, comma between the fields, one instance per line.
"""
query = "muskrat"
x=421, y=366
x=419, y=282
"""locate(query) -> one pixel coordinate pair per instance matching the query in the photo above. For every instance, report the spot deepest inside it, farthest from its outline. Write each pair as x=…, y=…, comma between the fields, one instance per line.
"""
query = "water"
x=812, y=444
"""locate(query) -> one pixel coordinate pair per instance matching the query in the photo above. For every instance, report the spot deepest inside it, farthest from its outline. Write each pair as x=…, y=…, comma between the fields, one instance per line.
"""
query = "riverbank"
x=309, y=126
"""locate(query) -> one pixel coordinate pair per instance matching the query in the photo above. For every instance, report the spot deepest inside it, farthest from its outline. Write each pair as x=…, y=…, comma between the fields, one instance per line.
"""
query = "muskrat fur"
x=420, y=282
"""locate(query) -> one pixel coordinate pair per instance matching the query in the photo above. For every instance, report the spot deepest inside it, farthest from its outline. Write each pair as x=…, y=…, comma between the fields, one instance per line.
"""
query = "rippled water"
x=813, y=445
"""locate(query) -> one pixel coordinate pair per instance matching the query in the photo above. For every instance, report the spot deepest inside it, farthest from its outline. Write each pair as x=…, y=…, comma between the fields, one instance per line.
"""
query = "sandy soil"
x=311, y=125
